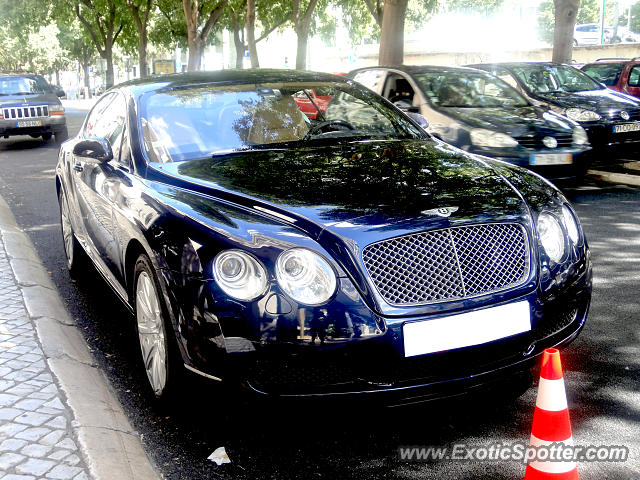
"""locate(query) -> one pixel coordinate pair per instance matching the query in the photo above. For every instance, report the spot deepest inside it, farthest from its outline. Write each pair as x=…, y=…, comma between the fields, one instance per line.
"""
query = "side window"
x=634, y=77
x=398, y=89
x=95, y=115
x=110, y=124
x=370, y=79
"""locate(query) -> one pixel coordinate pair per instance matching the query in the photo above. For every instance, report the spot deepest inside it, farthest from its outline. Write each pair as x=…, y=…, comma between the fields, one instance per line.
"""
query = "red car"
x=305, y=99
x=620, y=74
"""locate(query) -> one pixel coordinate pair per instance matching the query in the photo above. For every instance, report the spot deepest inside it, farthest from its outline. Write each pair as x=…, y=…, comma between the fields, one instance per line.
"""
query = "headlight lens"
x=240, y=275
x=551, y=236
x=487, y=138
x=571, y=224
x=305, y=276
x=581, y=115
x=580, y=136
x=56, y=109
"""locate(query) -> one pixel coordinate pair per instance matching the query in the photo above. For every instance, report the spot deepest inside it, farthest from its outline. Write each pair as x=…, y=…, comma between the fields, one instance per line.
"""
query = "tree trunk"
x=392, y=37
x=250, y=25
x=238, y=42
x=108, y=56
x=58, y=76
x=301, y=52
x=196, y=48
x=566, y=12
x=142, y=54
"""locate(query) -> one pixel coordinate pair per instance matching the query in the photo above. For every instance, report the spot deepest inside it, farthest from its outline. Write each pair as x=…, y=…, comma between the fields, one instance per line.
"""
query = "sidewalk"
x=59, y=419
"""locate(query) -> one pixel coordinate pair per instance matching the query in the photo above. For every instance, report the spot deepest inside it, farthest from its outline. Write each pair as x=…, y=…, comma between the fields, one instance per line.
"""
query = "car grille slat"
x=26, y=112
x=564, y=141
x=452, y=263
x=634, y=115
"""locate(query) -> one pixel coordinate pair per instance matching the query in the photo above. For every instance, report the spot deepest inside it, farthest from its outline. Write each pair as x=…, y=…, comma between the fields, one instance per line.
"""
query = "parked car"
x=311, y=102
x=590, y=34
x=480, y=113
x=619, y=74
x=305, y=257
x=30, y=106
x=611, y=119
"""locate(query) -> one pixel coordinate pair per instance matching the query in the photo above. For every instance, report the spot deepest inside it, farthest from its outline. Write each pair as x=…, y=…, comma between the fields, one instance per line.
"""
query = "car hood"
x=596, y=100
x=366, y=190
x=517, y=121
x=19, y=100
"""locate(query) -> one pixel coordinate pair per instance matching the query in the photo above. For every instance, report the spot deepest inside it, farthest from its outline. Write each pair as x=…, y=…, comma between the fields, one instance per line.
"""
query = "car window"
x=542, y=78
x=607, y=73
x=109, y=122
x=95, y=114
x=199, y=121
x=634, y=77
x=398, y=89
x=504, y=75
x=454, y=88
x=372, y=79
x=16, y=85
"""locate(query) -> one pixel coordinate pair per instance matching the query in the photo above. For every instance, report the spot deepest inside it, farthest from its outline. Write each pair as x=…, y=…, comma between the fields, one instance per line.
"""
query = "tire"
x=61, y=135
x=46, y=136
x=75, y=256
x=158, y=348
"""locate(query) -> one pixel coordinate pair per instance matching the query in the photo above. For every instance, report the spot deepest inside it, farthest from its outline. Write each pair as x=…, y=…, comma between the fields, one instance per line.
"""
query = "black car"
x=611, y=119
x=479, y=113
x=303, y=257
x=30, y=106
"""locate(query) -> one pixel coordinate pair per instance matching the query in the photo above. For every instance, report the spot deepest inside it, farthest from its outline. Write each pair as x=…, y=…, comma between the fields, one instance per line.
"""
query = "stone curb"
x=112, y=448
x=611, y=177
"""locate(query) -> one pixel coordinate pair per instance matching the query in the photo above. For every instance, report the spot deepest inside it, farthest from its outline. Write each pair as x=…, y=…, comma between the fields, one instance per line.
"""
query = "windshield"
x=197, y=121
x=15, y=85
x=470, y=89
x=554, y=79
x=607, y=73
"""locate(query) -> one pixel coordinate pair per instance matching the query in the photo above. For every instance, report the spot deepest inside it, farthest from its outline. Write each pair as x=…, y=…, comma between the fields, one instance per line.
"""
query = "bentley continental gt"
x=350, y=253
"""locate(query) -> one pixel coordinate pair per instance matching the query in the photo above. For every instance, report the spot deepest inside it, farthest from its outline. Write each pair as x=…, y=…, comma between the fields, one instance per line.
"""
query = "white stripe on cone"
x=548, y=466
x=551, y=395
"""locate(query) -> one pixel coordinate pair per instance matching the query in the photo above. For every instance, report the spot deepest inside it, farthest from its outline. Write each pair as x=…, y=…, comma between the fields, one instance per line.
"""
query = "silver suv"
x=30, y=106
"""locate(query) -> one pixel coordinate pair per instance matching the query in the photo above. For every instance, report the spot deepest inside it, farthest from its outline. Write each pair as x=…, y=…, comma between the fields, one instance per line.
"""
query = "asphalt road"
x=352, y=441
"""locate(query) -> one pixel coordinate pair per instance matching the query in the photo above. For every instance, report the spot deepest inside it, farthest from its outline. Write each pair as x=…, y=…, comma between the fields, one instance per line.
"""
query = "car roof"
x=515, y=64
x=601, y=61
x=232, y=76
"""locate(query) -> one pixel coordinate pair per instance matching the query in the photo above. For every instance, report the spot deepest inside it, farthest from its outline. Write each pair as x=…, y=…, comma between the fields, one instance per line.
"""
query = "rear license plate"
x=627, y=127
x=551, y=159
x=29, y=123
x=466, y=329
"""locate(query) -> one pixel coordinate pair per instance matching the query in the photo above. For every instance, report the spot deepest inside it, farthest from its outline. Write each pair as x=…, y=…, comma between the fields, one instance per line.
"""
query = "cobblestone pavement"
x=36, y=436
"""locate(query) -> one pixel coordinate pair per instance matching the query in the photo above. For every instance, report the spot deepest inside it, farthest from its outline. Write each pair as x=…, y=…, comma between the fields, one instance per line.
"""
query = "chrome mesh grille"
x=446, y=264
x=26, y=112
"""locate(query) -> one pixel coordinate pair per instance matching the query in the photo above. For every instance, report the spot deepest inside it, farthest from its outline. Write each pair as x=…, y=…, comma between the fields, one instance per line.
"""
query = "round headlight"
x=571, y=224
x=239, y=275
x=305, y=276
x=551, y=236
x=581, y=115
x=580, y=136
x=489, y=138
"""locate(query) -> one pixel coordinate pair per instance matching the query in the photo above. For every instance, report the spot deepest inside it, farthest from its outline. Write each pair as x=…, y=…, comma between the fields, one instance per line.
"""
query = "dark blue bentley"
x=348, y=253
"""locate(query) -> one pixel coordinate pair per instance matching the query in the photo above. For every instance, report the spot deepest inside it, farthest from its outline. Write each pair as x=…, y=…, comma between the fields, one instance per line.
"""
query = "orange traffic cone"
x=551, y=422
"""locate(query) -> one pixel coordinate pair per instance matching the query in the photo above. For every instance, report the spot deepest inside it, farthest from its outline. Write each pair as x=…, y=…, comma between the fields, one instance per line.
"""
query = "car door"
x=95, y=186
x=372, y=78
x=632, y=86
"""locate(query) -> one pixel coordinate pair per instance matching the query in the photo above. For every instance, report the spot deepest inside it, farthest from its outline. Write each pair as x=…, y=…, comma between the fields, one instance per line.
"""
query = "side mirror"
x=98, y=149
x=60, y=92
x=419, y=119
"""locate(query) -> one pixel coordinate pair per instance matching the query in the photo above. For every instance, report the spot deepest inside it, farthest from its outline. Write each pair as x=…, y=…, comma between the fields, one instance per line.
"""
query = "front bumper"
x=525, y=158
x=47, y=125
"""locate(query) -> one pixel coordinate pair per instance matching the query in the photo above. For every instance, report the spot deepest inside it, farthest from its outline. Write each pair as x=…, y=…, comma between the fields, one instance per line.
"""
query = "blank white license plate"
x=627, y=127
x=551, y=159
x=29, y=123
x=466, y=329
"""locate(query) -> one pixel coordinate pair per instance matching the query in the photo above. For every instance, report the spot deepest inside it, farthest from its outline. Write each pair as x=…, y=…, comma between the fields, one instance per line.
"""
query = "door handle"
x=78, y=167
